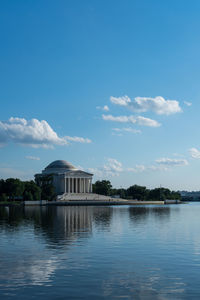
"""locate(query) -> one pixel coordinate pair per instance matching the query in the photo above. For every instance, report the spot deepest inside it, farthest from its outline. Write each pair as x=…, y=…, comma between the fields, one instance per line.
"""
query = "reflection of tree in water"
x=57, y=224
x=140, y=213
x=102, y=216
x=11, y=218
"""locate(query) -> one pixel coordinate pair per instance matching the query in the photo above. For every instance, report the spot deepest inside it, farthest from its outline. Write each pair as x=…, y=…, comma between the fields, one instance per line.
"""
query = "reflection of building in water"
x=59, y=224
x=75, y=218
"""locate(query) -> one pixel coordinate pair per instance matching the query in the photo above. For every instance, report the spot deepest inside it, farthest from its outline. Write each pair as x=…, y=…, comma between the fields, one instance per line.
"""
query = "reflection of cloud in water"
x=35, y=237
x=38, y=234
x=22, y=272
x=146, y=284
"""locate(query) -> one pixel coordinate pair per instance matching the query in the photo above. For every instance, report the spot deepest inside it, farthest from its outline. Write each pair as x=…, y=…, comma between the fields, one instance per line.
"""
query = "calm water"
x=146, y=252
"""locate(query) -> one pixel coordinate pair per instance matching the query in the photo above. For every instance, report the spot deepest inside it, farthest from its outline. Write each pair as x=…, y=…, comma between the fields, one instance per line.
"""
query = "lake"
x=96, y=252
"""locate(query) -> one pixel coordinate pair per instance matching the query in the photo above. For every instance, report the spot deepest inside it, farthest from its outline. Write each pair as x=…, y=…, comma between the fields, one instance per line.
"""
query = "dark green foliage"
x=14, y=189
x=102, y=187
x=3, y=197
x=32, y=191
x=45, y=183
x=137, y=192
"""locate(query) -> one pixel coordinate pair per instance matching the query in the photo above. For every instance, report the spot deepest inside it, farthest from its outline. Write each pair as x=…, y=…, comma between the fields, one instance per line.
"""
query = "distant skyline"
x=110, y=86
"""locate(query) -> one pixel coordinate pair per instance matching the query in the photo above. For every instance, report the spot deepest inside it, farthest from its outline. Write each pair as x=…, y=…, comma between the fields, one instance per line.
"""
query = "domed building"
x=66, y=178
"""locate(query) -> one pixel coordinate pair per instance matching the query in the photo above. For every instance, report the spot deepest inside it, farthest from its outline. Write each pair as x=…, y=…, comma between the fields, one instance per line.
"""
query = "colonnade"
x=78, y=185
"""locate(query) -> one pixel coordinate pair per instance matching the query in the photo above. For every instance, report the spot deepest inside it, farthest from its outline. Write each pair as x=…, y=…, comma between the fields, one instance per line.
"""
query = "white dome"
x=58, y=165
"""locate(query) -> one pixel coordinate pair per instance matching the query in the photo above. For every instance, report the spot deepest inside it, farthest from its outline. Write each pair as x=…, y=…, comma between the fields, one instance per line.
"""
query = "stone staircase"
x=85, y=197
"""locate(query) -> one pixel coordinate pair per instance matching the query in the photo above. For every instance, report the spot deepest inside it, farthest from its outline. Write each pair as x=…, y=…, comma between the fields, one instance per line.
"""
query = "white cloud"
x=172, y=162
x=143, y=104
x=78, y=139
x=112, y=167
x=121, y=119
x=147, y=122
x=32, y=157
x=187, y=103
x=137, y=169
x=105, y=108
x=33, y=133
x=143, y=168
x=97, y=172
x=123, y=101
x=142, y=121
x=195, y=153
x=127, y=129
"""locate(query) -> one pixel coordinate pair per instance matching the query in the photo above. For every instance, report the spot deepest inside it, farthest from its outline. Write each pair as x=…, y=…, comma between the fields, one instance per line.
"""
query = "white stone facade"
x=67, y=179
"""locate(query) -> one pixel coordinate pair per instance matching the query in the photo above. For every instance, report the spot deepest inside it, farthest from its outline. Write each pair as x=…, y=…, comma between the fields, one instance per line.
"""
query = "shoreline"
x=85, y=203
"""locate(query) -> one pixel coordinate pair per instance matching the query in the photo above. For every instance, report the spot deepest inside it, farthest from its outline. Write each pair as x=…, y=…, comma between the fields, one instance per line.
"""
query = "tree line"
x=135, y=191
x=13, y=189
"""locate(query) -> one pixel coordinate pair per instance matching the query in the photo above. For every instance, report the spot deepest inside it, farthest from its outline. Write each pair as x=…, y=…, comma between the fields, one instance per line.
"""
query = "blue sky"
x=110, y=86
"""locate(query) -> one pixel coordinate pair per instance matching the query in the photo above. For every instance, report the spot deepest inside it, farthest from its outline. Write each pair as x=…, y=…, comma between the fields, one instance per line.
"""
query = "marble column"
x=87, y=185
x=72, y=185
x=76, y=185
x=64, y=184
x=68, y=182
x=90, y=185
x=83, y=185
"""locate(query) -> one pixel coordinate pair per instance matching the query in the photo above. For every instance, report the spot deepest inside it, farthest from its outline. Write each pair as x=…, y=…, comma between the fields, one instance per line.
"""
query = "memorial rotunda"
x=66, y=178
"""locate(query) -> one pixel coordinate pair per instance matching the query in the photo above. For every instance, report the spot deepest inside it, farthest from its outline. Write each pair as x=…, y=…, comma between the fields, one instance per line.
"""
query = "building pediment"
x=78, y=173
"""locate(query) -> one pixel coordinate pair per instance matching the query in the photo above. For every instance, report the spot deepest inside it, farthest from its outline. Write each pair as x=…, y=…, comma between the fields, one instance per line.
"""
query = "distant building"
x=67, y=178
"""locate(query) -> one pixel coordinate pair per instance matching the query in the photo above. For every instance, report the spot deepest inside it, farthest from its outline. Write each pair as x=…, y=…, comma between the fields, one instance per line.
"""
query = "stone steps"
x=84, y=196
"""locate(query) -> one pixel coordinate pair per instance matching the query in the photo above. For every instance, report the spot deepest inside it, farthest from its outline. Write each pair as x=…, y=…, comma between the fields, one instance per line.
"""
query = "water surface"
x=138, y=252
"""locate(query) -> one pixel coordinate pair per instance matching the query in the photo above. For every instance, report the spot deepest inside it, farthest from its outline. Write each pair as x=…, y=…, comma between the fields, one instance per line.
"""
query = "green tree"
x=137, y=192
x=14, y=188
x=32, y=188
x=2, y=186
x=160, y=194
x=47, y=188
x=28, y=196
x=3, y=197
x=102, y=187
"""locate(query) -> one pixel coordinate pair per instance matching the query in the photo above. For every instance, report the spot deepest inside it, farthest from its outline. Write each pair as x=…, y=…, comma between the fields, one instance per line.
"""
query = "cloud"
x=127, y=129
x=137, y=169
x=32, y=133
x=158, y=104
x=195, y=153
x=172, y=162
x=77, y=139
x=147, y=122
x=112, y=167
x=187, y=103
x=143, y=168
x=142, y=121
x=105, y=108
x=32, y=157
x=123, y=101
